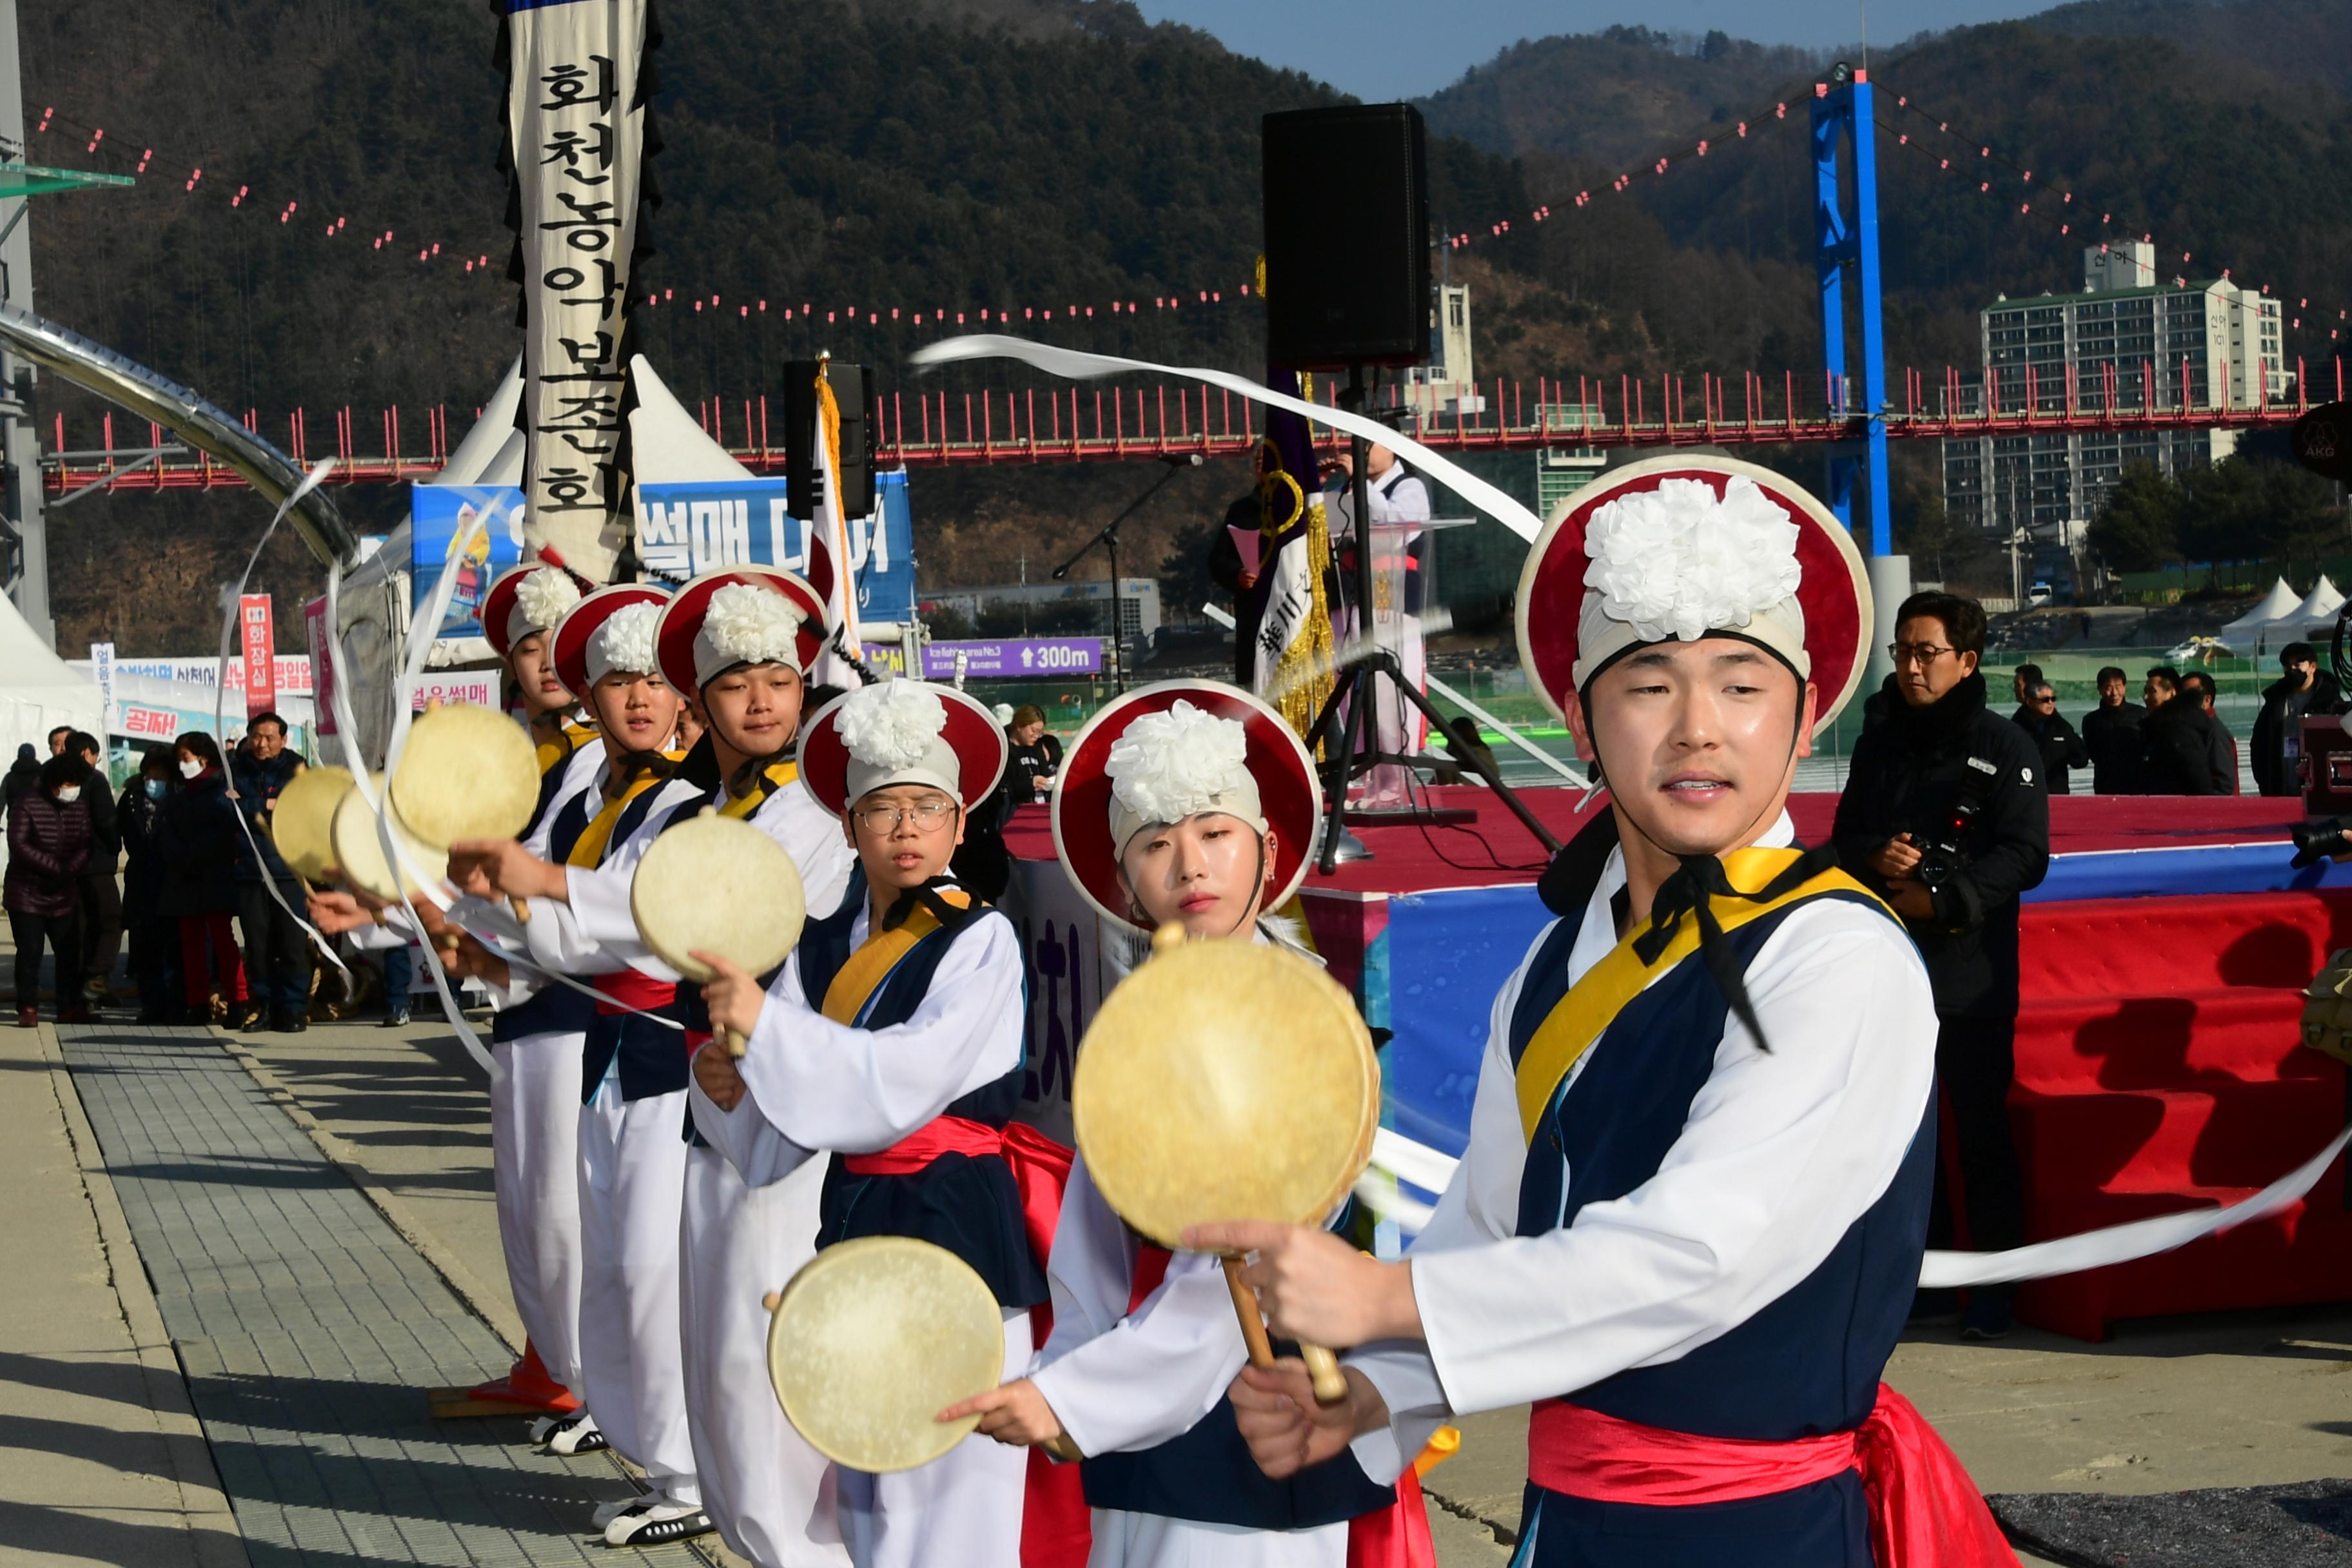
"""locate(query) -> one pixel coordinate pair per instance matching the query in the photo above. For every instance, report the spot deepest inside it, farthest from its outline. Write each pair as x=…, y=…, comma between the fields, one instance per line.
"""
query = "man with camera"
x=1946, y=813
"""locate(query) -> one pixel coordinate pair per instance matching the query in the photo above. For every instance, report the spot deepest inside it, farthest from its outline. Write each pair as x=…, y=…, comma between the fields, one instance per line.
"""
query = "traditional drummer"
x=1689, y=1222
x=1194, y=804
x=893, y=1039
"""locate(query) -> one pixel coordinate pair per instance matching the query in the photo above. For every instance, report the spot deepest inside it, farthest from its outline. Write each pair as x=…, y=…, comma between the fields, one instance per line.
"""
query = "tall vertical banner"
x=578, y=83
x=828, y=551
x=259, y=639
x=1292, y=668
x=101, y=669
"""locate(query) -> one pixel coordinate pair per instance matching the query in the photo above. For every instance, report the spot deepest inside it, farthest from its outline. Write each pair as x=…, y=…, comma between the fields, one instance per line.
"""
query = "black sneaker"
x=574, y=1434
x=246, y=1018
x=288, y=1023
x=398, y=1020
x=650, y=1522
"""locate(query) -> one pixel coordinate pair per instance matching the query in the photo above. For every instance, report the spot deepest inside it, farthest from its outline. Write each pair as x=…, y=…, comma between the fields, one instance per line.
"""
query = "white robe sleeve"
x=1780, y=1155
x=816, y=1084
x=1119, y=1381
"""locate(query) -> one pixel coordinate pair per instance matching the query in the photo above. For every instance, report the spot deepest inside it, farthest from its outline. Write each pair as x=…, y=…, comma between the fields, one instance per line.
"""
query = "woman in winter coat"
x=154, y=937
x=49, y=842
x=197, y=833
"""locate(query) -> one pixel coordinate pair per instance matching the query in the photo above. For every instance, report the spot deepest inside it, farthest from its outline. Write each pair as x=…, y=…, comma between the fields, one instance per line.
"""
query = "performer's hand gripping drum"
x=466, y=772
x=721, y=886
x=872, y=1340
x=1224, y=1080
x=302, y=823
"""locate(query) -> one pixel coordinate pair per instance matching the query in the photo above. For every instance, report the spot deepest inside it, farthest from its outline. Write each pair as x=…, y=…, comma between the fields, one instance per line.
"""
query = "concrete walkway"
x=309, y=1328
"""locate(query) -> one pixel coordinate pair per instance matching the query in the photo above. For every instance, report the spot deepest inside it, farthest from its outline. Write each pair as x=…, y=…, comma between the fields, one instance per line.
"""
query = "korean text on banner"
x=101, y=664
x=259, y=639
x=576, y=117
x=690, y=528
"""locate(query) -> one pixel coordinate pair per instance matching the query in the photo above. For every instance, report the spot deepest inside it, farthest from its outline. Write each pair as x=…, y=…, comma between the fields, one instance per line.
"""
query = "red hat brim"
x=977, y=739
x=1287, y=791
x=497, y=604
x=681, y=622
x=1834, y=588
x=581, y=621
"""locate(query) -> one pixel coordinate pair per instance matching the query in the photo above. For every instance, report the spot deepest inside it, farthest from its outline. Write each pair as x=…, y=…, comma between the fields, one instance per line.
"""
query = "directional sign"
x=1008, y=658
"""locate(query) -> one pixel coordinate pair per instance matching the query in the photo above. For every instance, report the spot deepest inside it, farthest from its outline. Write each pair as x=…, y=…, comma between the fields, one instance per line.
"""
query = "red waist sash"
x=627, y=989
x=1924, y=1513
x=1056, y=1529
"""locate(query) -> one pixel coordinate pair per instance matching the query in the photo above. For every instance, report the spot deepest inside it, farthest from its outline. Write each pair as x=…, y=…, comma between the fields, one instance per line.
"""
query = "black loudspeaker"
x=1347, y=236
x=853, y=391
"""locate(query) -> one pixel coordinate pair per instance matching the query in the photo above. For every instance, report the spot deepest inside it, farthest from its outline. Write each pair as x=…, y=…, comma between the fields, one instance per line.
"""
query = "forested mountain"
x=1009, y=153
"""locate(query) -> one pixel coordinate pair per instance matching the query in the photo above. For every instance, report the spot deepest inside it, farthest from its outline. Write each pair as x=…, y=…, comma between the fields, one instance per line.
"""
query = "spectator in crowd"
x=2020, y=686
x=22, y=773
x=1946, y=814
x=58, y=738
x=2111, y=734
x=1036, y=758
x=101, y=894
x=2305, y=689
x=277, y=948
x=1462, y=741
x=197, y=834
x=48, y=845
x=2173, y=757
x=2061, y=748
x=155, y=938
x=2221, y=746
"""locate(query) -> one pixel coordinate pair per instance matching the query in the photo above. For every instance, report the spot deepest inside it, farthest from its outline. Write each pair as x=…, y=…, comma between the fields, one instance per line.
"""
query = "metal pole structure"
x=20, y=446
x=1848, y=238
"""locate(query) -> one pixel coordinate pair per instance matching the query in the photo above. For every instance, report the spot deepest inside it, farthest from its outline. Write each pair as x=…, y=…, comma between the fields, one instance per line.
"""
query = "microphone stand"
x=1109, y=539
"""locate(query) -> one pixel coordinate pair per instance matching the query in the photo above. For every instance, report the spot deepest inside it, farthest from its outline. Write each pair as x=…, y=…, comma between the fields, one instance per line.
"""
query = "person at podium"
x=1395, y=498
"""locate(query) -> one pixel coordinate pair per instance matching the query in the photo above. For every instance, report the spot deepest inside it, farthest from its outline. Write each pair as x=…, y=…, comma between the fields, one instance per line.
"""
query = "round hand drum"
x=1226, y=1080
x=872, y=1340
x=466, y=772
x=718, y=885
x=303, y=823
x=358, y=853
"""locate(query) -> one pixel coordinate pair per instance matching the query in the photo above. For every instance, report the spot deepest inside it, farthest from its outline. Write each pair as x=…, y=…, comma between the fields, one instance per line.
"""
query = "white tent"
x=2276, y=605
x=669, y=445
x=40, y=690
x=2318, y=610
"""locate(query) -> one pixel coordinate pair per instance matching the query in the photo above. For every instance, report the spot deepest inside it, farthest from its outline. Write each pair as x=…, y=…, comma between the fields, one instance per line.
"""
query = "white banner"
x=576, y=126
x=101, y=661
x=1063, y=943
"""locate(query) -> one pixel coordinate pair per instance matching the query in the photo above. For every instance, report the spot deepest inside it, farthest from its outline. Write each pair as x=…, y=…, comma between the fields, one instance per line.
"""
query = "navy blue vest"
x=555, y=1009
x=967, y=1204
x=653, y=1055
x=1808, y=1364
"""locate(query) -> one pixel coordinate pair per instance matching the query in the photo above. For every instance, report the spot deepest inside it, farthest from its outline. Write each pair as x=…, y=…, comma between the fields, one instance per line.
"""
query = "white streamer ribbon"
x=312, y=482
x=1076, y=366
x=1397, y=1157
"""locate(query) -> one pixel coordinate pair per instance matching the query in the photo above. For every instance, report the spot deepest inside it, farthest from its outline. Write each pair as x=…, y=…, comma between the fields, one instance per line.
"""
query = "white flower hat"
x=1685, y=547
x=612, y=628
x=1172, y=749
x=739, y=615
x=531, y=598
x=901, y=732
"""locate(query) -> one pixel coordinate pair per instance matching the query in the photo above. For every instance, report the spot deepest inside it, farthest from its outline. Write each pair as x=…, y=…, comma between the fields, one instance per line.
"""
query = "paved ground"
x=307, y=1326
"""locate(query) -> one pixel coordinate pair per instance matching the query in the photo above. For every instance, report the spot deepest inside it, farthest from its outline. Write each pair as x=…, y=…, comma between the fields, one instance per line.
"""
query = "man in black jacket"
x=2111, y=734
x=2179, y=752
x=276, y=952
x=2054, y=738
x=2278, y=728
x=1946, y=814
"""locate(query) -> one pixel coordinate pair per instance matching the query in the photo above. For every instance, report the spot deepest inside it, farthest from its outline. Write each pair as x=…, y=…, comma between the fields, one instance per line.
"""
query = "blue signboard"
x=437, y=515
x=1006, y=658
x=686, y=528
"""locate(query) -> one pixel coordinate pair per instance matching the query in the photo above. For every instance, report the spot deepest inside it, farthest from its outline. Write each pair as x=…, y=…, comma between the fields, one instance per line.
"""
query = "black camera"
x=2321, y=838
x=1942, y=852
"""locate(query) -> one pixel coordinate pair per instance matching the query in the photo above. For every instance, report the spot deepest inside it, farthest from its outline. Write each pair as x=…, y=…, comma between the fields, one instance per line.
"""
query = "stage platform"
x=2159, y=1066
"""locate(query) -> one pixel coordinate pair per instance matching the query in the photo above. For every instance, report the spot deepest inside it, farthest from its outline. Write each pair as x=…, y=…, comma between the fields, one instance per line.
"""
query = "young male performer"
x=535, y=1039
x=633, y=1074
x=894, y=1036
x=1690, y=1219
x=1194, y=804
x=741, y=640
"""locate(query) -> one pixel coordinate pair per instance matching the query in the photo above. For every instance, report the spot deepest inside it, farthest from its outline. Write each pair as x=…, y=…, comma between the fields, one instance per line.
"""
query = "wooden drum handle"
x=1322, y=1366
x=736, y=1043
x=1323, y=1371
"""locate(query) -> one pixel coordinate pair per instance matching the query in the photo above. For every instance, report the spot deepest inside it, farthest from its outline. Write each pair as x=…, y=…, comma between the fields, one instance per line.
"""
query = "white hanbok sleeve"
x=1116, y=1381
x=817, y=1084
x=1781, y=1153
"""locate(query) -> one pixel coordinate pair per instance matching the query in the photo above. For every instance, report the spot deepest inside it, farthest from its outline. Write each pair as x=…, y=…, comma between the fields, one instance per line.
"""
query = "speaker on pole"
x=1347, y=236
x=853, y=391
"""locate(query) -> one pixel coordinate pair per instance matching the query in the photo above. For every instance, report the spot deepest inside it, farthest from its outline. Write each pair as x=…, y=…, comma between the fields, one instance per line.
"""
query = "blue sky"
x=1380, y=49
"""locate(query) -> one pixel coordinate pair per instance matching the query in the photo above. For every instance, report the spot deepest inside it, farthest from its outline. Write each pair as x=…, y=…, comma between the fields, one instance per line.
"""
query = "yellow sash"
x=589, y=850
x=556, y=753
x=1607, y=988
x=773, y=778
x=871, y=965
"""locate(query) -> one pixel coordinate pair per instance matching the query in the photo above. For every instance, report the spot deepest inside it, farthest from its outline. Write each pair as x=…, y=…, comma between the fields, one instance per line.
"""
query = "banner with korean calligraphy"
x=577, y=90
x=686, y=528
